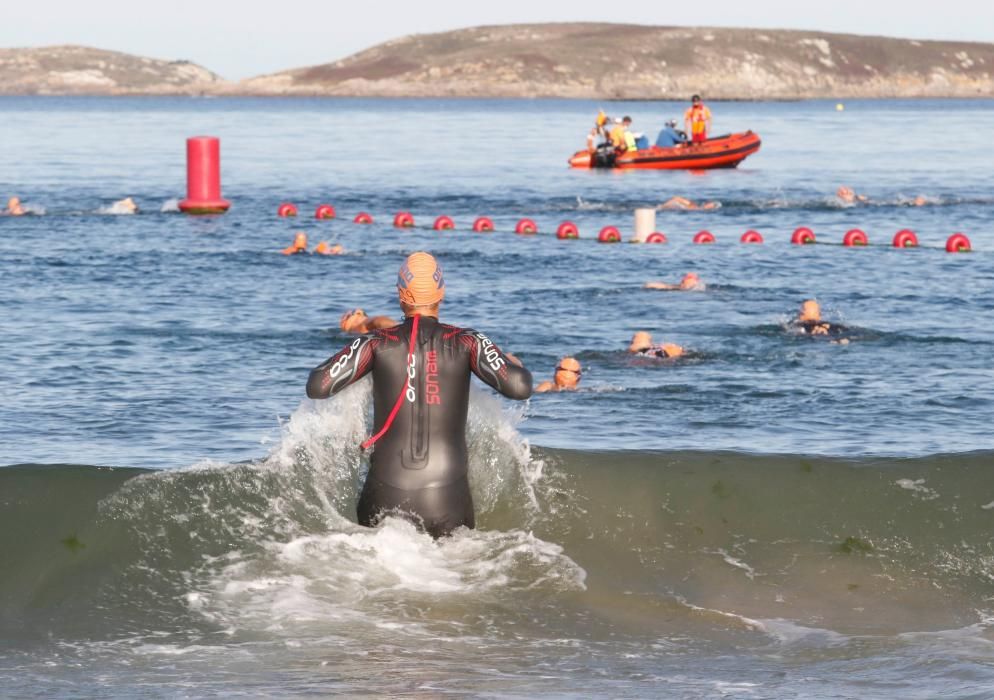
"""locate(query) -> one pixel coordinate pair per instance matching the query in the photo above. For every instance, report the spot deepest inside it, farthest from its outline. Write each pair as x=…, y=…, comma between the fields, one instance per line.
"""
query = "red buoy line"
x=567, y=230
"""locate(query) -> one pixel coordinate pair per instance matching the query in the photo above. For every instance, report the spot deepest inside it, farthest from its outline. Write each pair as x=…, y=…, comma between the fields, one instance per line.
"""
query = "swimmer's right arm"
x=347, y=366
x=501, y=370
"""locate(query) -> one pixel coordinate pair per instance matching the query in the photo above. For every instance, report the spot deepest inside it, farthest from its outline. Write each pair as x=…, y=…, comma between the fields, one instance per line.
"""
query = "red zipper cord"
x=403, y=390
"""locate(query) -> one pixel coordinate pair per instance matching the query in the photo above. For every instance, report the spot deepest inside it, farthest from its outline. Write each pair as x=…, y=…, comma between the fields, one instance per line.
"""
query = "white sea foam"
x=169, y=206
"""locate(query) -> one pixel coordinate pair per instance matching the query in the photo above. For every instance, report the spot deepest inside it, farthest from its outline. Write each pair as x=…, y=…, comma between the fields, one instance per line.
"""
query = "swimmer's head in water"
x=353, y=319
x=300, y=241
x=420, y=281
x=845, y=194
x=810, y=311
x=690, y=281
x=568, y=373
x=641, y=341
x=13, y=203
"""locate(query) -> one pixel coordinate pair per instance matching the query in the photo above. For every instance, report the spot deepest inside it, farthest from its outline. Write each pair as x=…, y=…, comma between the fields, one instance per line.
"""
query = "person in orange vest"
x=697, y=120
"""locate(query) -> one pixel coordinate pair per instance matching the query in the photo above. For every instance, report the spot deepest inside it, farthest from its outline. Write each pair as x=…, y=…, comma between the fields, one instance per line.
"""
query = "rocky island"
x=581, y=60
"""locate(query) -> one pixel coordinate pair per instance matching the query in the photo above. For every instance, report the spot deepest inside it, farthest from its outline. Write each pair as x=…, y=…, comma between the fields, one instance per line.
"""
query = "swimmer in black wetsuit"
x=642, y=345
x=809, y=322
x=421, y=398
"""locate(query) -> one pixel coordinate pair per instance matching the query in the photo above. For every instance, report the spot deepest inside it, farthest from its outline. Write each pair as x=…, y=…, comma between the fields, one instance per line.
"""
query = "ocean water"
x=771, y=516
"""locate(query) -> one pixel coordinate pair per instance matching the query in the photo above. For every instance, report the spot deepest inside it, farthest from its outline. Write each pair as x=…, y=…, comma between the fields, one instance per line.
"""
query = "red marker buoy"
x=803, y=236
x=609, y=234
x=324, y=211
x=655, y=237
x=526, y=227
x=403, y=219
x=362, y=218
x=286, y=209
x=905, y=238
x=203, y=177
x=855, y=237
x=567, y=230
x=958, y=243
x=483, y=225
x=443, y=223
x=751, y=236
x=704, y=237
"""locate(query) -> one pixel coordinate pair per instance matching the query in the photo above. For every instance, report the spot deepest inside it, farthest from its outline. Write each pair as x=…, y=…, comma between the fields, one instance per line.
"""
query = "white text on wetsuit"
x=412, y=372
x=491, y=352
x=343, y=361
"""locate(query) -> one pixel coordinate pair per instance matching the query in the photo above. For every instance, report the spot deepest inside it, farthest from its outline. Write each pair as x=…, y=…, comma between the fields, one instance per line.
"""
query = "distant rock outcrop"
x=78, y=70
x=638, y=62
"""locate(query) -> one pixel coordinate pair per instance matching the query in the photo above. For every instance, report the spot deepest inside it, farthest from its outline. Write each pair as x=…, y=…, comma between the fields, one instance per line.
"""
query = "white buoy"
x=645, y=223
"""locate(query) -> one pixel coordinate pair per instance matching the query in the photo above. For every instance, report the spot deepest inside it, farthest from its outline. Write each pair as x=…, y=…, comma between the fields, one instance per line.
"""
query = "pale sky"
x=251, y=37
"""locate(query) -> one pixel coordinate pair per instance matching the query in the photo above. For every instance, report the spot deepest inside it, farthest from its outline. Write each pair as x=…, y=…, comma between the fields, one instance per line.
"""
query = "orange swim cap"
x=642, y=340
x=810, y=311
x=568, y=373
x=420, y=281
x=322, y=248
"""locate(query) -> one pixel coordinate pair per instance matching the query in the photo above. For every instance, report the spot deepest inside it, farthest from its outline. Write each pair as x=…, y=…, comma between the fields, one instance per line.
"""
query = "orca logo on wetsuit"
x=342, y=362
x=412, y=372
x=491, y=352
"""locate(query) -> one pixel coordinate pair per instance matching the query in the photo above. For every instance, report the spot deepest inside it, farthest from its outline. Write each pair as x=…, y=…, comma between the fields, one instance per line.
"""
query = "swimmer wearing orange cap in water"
x=848, y=196
x=14, y=207
x=690, y=283
x=642, y=345
x=682, y=203
x=566, y=377
x=323, y=248
x=356, y=321
x=299, y=245
x=421, y=373
x=809, y=322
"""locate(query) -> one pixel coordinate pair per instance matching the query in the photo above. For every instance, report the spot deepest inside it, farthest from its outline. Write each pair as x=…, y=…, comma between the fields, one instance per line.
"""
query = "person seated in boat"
x=323, y=248
x=690, y=283
x=847, y=196
x=357, y=322
x=617, y=133
x=566, y=377
x=298, y=246
x=682, y=203
x=643, y=346
x=14, y=207
x=670, y=136
x=697, y=120
x=810, y=322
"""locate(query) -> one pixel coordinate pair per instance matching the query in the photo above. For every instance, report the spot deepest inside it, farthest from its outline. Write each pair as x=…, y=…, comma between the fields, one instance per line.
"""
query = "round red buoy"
x=324, y=211
x=609, y=234
x=803, y=236
x=483, y=224
x=362, y=218
x=403, y=219
x=751, y=236
x=443, y=223
x=905, y=238
x=567, y=229
x=526, y=227
x=704, y=237
x=958, y=243
x=655, y=237
x=287, y=209
x=855, y=237
x=203, y=177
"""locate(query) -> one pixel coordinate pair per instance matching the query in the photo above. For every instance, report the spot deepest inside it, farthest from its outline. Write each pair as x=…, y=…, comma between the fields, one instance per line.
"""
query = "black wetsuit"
x=420, y=465
x=821, y=328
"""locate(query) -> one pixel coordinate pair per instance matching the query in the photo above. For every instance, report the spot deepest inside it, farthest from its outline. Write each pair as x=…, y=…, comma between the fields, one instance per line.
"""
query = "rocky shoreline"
x=581, y=61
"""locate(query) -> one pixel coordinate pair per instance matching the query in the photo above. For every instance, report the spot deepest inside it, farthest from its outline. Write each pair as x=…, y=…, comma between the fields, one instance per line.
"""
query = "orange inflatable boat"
x=718, y=152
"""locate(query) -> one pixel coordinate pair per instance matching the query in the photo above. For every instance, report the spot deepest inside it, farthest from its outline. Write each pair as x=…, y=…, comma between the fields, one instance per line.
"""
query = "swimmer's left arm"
x=503, y=371
x=345, y=367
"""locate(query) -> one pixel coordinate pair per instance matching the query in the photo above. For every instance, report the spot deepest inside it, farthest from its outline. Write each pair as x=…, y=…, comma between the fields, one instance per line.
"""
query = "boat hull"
x=720, y=152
